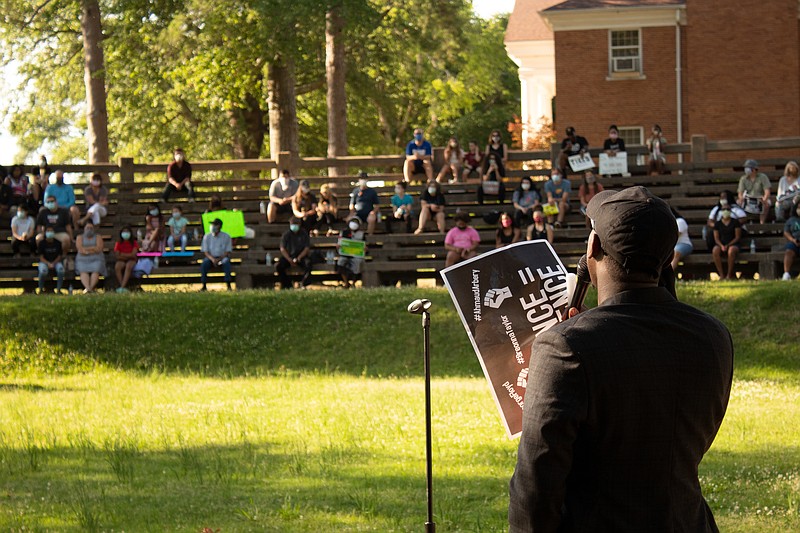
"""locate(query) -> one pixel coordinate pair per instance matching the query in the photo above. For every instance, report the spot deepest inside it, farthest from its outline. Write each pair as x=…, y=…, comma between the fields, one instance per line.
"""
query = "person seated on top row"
x=419, y=157
x=572, y=145
x=754, y=191
x=457, y=162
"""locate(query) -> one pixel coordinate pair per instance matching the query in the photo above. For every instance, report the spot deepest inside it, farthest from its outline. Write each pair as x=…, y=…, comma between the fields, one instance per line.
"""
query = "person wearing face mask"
x=525, y=199
x=540, y=229
x=507, y=233
x=304, y=206
x=726, y=201
x=295, y=251
x=492, y=181
x=95, y=196
x=461, y=242
x=216, y=247
x=402, y=204
x=419, y=154
x=364, y=203
x=453, y=155
x=281, y=192
x=572, y=144
x=177, y=224
x=23, y=231
x=754, y=191
x=498, y=149
x=614, y=144
x=657, y=160
x=51, y=257
x=179, y=177
x=558, y=192
x=58, y=218
x=791, y=232
x=589, y=187
x=154, y=230
x=90, y=261
x=727, y=236
x=41, y=175
x=348, y=267
x=431, y=205
x=65, y=196
x=125, y=250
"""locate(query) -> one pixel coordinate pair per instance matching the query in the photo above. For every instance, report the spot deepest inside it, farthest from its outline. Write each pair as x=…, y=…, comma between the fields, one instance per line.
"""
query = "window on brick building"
x=633, y=135
x=624, y=52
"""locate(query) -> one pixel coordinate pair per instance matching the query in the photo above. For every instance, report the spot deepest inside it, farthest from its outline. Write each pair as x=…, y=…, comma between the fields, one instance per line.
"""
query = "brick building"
x=727, y=69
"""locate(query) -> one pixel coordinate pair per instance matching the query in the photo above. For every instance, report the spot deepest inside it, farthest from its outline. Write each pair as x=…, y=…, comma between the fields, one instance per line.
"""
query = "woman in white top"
x=684, y=245
x=788, y=192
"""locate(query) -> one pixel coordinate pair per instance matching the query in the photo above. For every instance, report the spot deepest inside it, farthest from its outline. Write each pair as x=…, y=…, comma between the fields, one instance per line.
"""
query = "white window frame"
x=637, y=72
x=640, y=159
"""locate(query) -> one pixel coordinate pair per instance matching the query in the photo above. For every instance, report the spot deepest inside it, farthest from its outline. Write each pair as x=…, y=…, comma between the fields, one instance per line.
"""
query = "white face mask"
x=354, y=226
x=96, y=183
x=398, y=191
x=748, y=171
x=21, y=214
x=284, y=180
x=526, y=186
x=556, y=178
x=305, y=188
x=178, y=157
x=432, y=191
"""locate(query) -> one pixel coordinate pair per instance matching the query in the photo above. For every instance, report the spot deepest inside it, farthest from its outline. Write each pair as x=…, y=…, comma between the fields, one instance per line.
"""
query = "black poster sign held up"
x=505, y=298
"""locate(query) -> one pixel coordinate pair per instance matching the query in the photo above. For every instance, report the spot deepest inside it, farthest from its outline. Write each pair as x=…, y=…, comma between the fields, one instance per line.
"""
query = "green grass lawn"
x=303, y=411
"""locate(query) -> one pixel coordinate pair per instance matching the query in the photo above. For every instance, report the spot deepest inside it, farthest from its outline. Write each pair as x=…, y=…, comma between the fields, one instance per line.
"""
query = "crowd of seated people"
x=535, y=210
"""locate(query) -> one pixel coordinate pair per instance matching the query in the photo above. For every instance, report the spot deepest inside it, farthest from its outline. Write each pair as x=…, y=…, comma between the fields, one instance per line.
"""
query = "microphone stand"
x=421, y=307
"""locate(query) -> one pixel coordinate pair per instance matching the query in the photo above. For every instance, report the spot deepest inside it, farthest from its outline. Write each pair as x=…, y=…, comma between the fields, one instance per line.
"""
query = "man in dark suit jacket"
x=624, y=399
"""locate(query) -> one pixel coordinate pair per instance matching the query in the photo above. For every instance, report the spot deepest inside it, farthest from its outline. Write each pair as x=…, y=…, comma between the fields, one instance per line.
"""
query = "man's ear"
x=594, y=248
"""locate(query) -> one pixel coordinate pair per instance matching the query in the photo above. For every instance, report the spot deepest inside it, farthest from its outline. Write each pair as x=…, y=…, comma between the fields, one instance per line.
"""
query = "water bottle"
x=196, y=234
x=139, y=235
x=752, y=246
x=269, y=256
x=69, y=289
x=262, y=207
x=329, y=257
x=155, y=262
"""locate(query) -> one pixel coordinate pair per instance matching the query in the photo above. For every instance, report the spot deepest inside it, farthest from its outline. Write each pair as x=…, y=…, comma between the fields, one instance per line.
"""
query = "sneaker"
x=203, y=288
x=786, y=276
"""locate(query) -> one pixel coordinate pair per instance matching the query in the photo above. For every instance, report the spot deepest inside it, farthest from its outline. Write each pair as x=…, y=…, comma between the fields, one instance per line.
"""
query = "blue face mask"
x=50, y=205
x=418, y=136
x=50, y=234
x=294, y=227
x=125, y=235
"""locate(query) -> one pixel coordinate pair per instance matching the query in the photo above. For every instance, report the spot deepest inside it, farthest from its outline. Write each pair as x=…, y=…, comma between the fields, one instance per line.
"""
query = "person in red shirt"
x=125, y=251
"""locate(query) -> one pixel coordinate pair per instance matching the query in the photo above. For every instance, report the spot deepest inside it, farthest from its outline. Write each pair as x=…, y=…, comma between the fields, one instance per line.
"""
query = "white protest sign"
x=505, y=298
x=610, y=165
x=580, y=162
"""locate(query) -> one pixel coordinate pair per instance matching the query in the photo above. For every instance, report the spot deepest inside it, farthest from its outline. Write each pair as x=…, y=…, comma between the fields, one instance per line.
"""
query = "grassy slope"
x=141, y=413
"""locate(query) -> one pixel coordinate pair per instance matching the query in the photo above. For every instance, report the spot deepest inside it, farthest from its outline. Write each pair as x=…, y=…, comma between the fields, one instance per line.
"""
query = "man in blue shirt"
x=364, y=203
x=65, y=197
x=419, y=154
x=557, y=189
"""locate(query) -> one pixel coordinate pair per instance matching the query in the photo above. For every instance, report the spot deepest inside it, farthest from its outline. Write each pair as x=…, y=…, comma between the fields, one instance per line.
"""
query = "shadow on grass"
x=254, y=487
x=239, y=488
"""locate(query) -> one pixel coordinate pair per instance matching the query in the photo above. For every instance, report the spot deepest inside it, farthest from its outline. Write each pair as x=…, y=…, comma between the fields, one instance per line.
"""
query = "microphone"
x=582, y=282
x=417, y=307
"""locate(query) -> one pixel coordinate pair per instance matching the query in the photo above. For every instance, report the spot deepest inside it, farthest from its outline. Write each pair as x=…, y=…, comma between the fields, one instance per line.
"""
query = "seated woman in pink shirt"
x=461, y=242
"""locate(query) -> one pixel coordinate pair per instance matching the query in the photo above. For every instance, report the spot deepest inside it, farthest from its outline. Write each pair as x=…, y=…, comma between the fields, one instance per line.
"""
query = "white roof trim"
x=616, y=18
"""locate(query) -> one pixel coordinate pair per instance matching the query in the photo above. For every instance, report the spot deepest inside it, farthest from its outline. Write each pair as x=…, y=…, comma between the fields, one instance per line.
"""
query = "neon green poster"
x=232, y=222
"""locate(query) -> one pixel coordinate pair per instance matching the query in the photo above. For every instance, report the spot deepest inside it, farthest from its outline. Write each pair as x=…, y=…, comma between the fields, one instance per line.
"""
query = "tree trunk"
x=94, y=78
x=249, y=129
x=283, y=136
x=335, y=74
